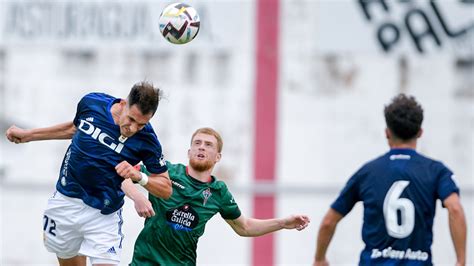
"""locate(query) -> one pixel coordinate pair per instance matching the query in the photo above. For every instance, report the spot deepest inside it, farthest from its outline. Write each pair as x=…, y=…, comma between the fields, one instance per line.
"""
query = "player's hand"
x=126, y=170
x=321, y=263
x=143, y=207
x=298, y=222
x=17, y=135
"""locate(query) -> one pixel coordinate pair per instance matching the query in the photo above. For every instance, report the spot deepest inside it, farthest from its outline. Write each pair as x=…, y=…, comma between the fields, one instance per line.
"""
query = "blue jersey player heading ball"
x=399, y=191
x=109, y=135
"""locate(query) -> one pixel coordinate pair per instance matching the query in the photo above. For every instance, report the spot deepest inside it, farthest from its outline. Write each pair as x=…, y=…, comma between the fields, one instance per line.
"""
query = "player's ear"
x=420, y=132
x=218, y=157
x=189, y=153
x=388, y=134
x=123, y=102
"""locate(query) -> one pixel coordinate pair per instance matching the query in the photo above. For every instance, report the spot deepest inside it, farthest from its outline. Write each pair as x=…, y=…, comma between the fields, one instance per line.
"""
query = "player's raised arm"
x=157, y=184
x=59, y=131
x=251, y=227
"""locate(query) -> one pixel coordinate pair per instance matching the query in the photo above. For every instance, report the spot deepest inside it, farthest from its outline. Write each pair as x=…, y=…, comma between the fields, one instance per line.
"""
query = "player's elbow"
x=71, y=131
x=168, y=189
x=327, y=224
x=456, y=212
x=161, y=189
x=242, y=232
x=243, y=229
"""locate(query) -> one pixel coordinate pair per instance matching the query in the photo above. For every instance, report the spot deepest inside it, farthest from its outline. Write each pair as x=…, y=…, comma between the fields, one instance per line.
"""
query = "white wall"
x=334, y=81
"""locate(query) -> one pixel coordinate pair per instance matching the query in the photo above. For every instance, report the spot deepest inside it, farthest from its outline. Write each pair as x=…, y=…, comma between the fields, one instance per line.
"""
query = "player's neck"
x=403, y=145
x=115, y=110
x=204, y=176
x=397, y=143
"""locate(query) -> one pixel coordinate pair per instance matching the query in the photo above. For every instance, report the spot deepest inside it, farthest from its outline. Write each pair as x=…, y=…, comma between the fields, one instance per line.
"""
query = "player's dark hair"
x=145, y=96
x=404, y=117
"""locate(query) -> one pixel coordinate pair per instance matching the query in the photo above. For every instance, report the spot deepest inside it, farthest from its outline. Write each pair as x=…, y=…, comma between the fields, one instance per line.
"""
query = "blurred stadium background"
x=296, y=87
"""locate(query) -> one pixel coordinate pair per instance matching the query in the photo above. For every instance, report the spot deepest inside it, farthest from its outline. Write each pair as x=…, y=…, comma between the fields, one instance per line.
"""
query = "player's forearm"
x=458, y=228
x=159, y=186
x=130, y=190
x=258, y=227
x=60, y=131
x=325, y=234
x=324, y=238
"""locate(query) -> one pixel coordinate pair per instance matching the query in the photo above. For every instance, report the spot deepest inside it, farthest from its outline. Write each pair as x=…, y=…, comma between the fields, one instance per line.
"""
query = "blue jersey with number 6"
x=88, y=169
x=399, y=191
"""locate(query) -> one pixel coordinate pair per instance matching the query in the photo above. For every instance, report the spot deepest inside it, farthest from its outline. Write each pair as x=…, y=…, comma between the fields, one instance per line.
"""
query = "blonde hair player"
x=171, y=236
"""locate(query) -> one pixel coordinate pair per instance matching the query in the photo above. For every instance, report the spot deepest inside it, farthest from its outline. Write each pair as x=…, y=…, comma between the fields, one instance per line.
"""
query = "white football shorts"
x=73, y=228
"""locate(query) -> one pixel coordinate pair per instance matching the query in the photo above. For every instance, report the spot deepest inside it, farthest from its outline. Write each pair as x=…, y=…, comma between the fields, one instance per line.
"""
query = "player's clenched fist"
x=17, y=135
x=143, y=207
x=126, y=170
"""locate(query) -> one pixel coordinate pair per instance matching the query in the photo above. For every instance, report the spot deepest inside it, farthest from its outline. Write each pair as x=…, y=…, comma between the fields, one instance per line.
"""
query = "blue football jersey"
x=88, y=168
x=399, y=191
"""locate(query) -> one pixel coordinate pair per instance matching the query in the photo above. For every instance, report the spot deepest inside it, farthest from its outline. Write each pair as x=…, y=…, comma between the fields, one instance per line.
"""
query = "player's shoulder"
x=432, y=163
x=176, y=170
x=428, y=159
x=174, y=165
x=376, y=162
x=218, y=184
x=97, y=98
x=148, y=135
x=374, y=165
x=149, y=129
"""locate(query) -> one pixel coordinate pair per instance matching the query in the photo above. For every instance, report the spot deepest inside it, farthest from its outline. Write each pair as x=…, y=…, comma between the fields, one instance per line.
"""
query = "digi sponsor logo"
x=96, y=133
x=183, y=218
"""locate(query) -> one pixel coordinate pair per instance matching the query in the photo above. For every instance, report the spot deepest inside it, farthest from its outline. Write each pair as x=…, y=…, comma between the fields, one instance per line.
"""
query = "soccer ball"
x=179, y=23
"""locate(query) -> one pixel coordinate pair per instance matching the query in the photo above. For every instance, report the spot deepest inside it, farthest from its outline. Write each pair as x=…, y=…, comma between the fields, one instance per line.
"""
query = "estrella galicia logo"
x=183, y=218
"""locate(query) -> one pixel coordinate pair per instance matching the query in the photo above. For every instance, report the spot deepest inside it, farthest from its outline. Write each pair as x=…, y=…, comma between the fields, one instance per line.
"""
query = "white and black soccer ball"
x=179, y=23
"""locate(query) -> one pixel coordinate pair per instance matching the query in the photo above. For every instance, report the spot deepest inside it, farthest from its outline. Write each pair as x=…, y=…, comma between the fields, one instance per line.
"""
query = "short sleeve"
x=349, y=196
x=229, y=209
x=152, y=156
x=80, y=108
x=446, y=184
